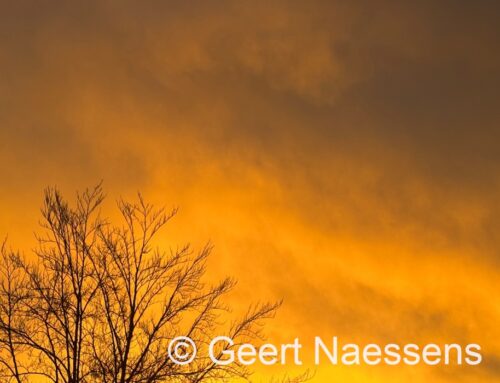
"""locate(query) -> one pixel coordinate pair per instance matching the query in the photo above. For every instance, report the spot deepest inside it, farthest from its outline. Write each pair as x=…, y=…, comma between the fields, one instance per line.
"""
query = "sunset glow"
x=343, y=157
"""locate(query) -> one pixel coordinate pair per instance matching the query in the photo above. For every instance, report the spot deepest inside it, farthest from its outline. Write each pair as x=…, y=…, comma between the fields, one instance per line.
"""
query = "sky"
x=343, y=156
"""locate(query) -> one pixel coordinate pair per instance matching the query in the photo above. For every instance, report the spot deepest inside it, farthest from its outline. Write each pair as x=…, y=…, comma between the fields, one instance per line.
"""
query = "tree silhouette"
x=101, y=302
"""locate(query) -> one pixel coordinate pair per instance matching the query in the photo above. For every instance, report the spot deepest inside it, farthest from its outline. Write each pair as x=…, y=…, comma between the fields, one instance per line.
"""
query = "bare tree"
x=102, y=302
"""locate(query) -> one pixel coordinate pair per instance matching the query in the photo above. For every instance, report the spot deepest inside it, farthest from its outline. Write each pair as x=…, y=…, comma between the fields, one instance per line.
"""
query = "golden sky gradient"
x=341, y=155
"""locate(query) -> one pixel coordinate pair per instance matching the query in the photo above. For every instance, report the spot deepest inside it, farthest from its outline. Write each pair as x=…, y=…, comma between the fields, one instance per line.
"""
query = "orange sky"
x=341, y=156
